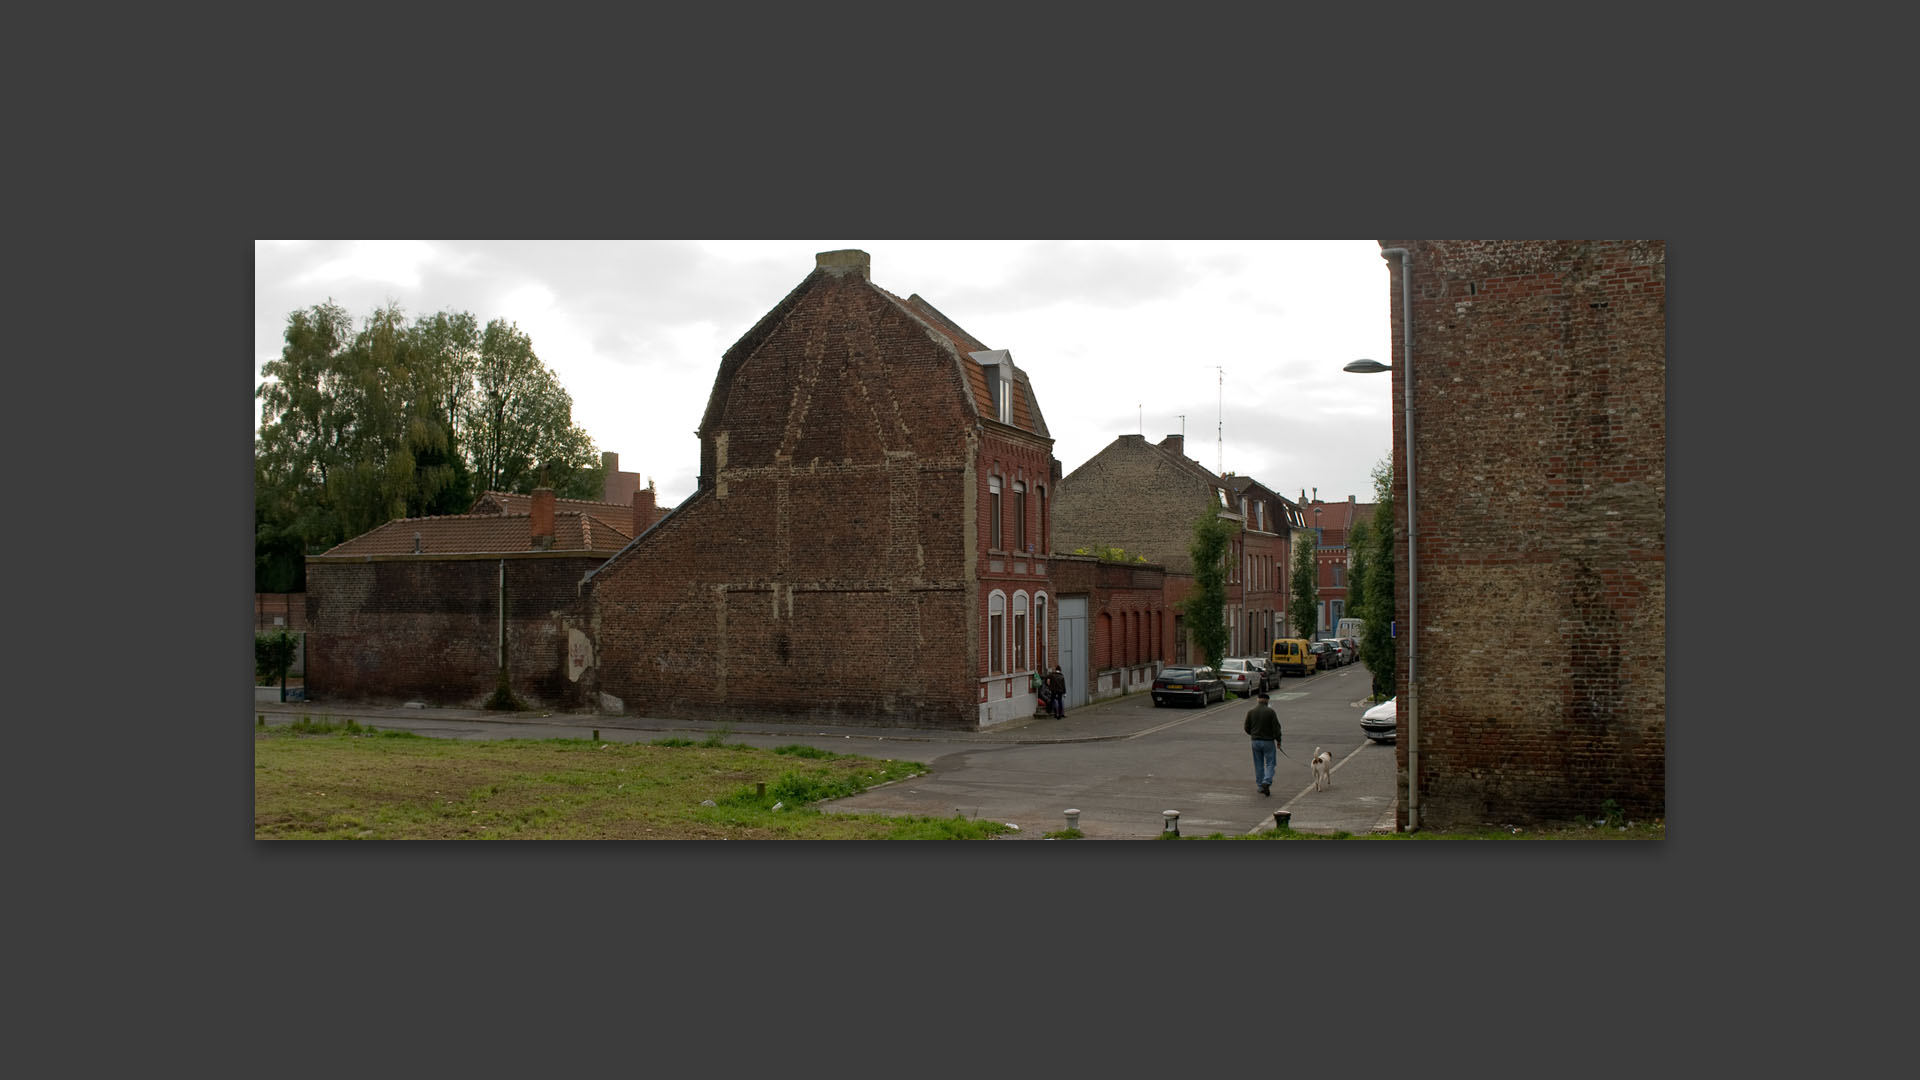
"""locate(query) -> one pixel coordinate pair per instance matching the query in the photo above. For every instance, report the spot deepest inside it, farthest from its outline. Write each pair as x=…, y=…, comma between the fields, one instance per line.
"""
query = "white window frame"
x=996, y=632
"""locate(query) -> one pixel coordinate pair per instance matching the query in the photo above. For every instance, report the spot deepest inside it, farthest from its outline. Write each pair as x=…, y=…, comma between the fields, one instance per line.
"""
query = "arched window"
x=1019, y=632
x=1040, y=654
x=996, y=633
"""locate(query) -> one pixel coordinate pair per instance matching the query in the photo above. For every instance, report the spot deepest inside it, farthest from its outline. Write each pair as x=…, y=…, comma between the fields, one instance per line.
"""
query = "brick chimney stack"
x=643, y=509
x=542, y=524
x=846, y=261
x=1175, y=443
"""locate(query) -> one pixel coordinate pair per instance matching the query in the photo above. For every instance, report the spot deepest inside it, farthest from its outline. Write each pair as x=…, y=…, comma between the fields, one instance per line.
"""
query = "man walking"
x=1263, y=725
x=1057, y=686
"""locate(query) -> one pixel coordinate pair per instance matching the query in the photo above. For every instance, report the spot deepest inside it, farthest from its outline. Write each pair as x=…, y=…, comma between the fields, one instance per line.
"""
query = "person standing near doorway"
x=1057, y=686
x=1263, y=727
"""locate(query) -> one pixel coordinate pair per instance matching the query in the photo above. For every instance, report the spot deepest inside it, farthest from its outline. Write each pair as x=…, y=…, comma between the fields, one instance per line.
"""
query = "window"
x=993, y=513
x=1045, y=542
x=1339, y=576
x=1040, y=625
x=1019, y=631
x=1019, y=519
x=996, y=634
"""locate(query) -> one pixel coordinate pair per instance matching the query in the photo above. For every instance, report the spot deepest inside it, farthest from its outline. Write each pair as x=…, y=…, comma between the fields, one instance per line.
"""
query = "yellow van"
x=1291, y=656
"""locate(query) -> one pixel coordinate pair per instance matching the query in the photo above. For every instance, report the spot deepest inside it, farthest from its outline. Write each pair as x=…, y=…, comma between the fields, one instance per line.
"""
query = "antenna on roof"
x=1223, y=417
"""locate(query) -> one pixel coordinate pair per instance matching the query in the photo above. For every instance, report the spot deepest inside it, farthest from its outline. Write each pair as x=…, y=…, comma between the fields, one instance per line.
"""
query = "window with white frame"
x=996, y=633
x=1040, y=630
x=1019, y=631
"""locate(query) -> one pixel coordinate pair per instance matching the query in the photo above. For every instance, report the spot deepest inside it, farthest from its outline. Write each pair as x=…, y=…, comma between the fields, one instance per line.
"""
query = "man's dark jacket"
x=1263, y=722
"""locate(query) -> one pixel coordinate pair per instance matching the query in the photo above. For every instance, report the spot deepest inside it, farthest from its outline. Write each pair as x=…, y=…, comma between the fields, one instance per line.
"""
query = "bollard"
x=260, y=720
x=596, y=734
x=760, y=790
x=1073, y=819
x=1173, y=821
x=1282, y=819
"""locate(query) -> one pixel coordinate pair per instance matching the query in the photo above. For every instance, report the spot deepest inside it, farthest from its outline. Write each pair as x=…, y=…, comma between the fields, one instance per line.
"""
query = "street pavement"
x=1121, y=762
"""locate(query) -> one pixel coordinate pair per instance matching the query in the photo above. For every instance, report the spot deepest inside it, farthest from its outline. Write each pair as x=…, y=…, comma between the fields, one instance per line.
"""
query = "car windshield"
x=1176, y=673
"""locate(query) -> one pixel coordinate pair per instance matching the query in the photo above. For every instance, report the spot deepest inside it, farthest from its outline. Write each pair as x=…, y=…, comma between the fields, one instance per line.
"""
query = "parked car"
x=1194, y=685
x=1242, y=676
x=1292, y=657
x=1269, y=678
x=1382, y=722
x=1324, y=656
x=1353, y=647
x=1344, y=655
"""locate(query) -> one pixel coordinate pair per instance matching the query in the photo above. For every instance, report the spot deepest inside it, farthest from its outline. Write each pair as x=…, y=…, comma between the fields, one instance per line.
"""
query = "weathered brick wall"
x=823, y=573
x=279, y=611
x=1132, y=496
x=1540, y=414
x=411, y=628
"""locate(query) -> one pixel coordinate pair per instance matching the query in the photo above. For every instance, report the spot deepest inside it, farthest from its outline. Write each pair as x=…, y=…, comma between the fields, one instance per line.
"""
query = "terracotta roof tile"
x=484, y=534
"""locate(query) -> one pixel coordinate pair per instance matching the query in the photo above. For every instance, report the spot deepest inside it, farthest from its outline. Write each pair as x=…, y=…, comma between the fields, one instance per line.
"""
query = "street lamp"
x=1369, y=367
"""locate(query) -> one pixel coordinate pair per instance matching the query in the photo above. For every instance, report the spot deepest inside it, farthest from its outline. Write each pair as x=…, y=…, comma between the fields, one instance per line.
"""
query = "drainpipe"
x=1413, y=578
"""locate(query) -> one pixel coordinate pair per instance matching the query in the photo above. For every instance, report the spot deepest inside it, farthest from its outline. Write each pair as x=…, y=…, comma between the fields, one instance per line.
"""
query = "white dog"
x=1322, y=769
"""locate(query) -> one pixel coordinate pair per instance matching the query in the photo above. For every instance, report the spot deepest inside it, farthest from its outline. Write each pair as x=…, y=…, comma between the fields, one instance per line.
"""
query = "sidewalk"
x=1088, y=723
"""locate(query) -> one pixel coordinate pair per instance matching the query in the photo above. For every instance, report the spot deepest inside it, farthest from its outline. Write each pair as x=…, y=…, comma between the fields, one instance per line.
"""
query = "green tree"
x=395, y=420
x=1376, y=640
x=1303, y=603
x=1206, y=606
x=520, y=422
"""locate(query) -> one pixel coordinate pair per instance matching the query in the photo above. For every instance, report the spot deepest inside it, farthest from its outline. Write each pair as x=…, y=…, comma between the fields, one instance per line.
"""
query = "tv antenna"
x=1222, y=432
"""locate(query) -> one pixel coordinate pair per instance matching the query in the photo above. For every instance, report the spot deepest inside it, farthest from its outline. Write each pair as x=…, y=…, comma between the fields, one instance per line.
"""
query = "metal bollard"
x=1173, y=821
x=1283, y=819
x=1073, y=819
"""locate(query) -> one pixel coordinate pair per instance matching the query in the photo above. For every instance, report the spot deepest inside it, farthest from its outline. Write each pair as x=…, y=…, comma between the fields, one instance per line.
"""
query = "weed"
x=718, y=738
x=797, y=750
x=671, y=742
x=1613, y=815
x=1065, y=834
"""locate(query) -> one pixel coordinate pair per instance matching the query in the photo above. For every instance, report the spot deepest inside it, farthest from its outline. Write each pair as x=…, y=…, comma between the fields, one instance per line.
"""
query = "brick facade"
x=1131, y=619
x=834, y=564
x=406, y=627
x=1145, y=497
x=1539, y=415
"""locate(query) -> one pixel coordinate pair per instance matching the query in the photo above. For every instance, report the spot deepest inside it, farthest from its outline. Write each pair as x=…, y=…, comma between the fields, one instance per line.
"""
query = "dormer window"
x=997, y=366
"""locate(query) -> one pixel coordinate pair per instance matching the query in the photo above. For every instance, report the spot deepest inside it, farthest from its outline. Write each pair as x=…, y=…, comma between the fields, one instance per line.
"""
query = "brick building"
x=867, y=542
x=1131, y=623
x=1332, y=525
x=1145, y=497
x=1533, y=684
x=422, y=608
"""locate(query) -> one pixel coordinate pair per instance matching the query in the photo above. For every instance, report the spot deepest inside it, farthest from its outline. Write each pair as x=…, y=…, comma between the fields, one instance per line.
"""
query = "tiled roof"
x=485, y=534
x=1026, y=411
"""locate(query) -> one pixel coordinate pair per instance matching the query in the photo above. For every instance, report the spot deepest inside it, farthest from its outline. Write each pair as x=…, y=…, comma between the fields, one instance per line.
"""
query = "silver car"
x=1241, y=676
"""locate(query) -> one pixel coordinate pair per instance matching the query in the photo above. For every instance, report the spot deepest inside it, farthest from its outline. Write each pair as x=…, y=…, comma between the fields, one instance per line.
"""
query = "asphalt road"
x=1120, y=762
x=1198, y=762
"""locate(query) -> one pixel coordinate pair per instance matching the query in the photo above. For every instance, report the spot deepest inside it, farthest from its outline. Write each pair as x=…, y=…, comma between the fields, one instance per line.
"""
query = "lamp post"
x=1369, y=367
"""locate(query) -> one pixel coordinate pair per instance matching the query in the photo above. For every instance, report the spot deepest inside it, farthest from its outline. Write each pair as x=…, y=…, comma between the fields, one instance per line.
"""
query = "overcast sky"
x=1244, y=339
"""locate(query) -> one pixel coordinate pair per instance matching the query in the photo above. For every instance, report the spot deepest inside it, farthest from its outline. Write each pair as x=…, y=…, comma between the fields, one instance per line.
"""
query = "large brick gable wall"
x=1540, y=415
x=825, y=570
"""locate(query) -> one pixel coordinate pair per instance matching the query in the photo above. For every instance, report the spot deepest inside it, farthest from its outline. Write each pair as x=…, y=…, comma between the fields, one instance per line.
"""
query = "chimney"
x=848, y=261
x=542, y=523
x=1175, y=443
x=643, y=509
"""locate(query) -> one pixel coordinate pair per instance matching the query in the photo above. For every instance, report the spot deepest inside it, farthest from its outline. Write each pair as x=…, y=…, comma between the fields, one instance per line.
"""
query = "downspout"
x=1413, y=577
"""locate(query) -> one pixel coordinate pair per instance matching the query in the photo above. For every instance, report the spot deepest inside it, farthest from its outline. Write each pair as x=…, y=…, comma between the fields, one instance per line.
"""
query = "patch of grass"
x=325, y=781
x=671, y=742
x=799, y=750
x=718, y=738
x=1065, y=834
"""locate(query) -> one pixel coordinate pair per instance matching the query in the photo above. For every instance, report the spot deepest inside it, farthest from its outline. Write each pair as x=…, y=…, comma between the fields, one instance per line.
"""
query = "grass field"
x=322, y=781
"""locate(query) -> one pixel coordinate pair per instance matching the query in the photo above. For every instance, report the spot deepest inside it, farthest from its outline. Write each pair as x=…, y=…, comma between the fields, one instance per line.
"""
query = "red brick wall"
x=1540, y=416
x=826, y=569
x=412, y=628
